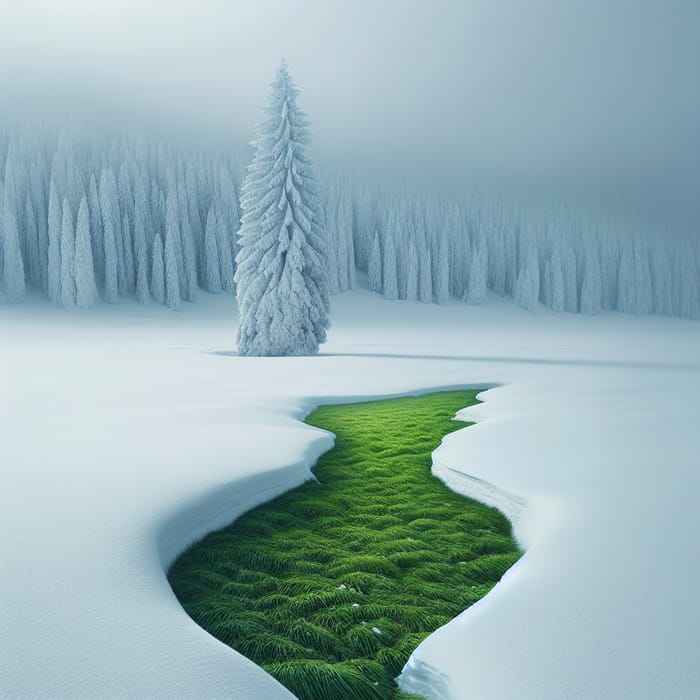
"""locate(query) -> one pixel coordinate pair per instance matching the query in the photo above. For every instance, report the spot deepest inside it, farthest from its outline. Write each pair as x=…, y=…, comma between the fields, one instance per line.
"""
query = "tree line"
x=89, y=215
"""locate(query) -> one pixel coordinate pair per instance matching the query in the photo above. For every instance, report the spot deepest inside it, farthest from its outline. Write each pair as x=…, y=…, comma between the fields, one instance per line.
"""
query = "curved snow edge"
x=218, y=508
x=419, y=677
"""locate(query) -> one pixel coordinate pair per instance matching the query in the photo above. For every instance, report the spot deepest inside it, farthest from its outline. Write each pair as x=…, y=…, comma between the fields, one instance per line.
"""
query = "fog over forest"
x=562, y=88
x=499, y=146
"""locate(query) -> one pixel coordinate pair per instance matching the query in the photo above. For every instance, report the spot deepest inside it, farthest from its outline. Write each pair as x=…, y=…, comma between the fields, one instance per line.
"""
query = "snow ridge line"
x=419, y=677
x=512, y=506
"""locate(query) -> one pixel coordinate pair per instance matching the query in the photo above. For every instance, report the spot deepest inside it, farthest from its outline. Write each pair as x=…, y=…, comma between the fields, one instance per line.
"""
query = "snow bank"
x=128, y=433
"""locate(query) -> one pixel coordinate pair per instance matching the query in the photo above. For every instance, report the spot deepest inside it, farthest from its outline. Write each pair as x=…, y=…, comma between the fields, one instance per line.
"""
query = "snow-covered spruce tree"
x=527, y=287
x=109, y=208
x=228, y=219
x=12, y=263
x=442, y=279
x=54, y=245
x=412, y=272
x=140, y=246
x=67, y=257
x=374, y=266
x=281, y=274
x=85, y=288
x=158, y=272
x=476, y=279
x=591, y=301
x=173, y=253
x=31, y=236
x=389, y=276
x=212, y=280
x=96, y=232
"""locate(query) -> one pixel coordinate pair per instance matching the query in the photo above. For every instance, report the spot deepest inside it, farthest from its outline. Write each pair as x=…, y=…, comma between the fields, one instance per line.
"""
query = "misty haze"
x=349, y=350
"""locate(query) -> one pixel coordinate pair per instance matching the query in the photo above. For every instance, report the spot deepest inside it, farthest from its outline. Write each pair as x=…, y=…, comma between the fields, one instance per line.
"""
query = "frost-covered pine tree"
x=109, y=208
x=158, y=272
x=141, y=250
x=476, y=280
x=626, y=301
x=32, y=242
x=374, y=266
x=442, y=278
x=67, y=257
x=412, y=272
x=172, y=254
x=425, y=273
x=212, y=279
x=12, y=263
x=527, y=287
x=54, y=245
x=556, y=281
x=591, y=301
x=389, y=276
x=225, y=248
x=569, y=275
x=128, y=251
x=96, y=232
x=85, y=288
x=228, y=217
x=281, y=274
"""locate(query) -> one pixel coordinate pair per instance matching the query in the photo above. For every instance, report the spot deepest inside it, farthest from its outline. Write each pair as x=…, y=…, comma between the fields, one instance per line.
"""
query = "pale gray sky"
x=560, y=86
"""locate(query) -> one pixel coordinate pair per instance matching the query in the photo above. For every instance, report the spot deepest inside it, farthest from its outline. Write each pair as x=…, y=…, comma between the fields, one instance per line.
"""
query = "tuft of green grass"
x=331, y=586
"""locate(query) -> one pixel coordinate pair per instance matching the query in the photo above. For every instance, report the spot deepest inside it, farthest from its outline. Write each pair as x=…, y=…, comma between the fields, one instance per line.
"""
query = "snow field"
x=127, y=433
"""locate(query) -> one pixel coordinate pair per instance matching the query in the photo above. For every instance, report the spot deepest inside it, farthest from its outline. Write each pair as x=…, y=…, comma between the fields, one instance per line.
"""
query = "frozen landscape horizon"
x=392, y=395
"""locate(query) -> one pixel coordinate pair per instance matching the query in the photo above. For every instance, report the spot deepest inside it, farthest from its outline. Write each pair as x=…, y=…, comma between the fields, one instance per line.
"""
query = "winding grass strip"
x=331, y=586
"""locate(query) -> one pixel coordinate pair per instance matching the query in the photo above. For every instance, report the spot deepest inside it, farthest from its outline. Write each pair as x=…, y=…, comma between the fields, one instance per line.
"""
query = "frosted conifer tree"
x=54, y=247
x=13, y=266
x=109, y=208
x=591, y=286
x=556, y=281
x=527, y=287
x=281, y=274
x=389, y=276
x=569, y=275
x=96, y=232
x=85, y=289
x=476, y=280
x=412, y=273
x=425, y=273
x=32, y=238
x=141, y=251
x=225, y=248
x=38, y=202
x=172, y=279
x=442, y=278
x=642, y=277
x=626, y=283
x=158, y=272
x=661, y=278
x=229, y=220
x=129, y=267
x=374, y=266
x=67, y=257
x=497, y=255
x=546, y=283
x=212, y=270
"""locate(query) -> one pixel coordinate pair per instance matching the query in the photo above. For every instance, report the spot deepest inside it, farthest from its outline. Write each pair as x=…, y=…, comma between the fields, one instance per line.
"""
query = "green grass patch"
x=331, y=586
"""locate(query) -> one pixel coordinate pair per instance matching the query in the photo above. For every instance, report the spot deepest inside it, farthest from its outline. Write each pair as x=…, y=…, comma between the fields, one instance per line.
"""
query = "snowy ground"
x=125, y=433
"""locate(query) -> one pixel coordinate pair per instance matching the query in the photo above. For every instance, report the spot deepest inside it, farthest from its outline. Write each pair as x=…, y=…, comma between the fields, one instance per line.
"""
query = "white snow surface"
x=126, y=433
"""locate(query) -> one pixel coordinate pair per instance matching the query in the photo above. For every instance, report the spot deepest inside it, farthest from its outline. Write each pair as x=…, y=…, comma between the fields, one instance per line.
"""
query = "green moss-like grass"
x=331, y=586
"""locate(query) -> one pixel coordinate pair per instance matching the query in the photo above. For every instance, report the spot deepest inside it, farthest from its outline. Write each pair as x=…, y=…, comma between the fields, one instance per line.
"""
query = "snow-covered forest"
x=88, y=216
